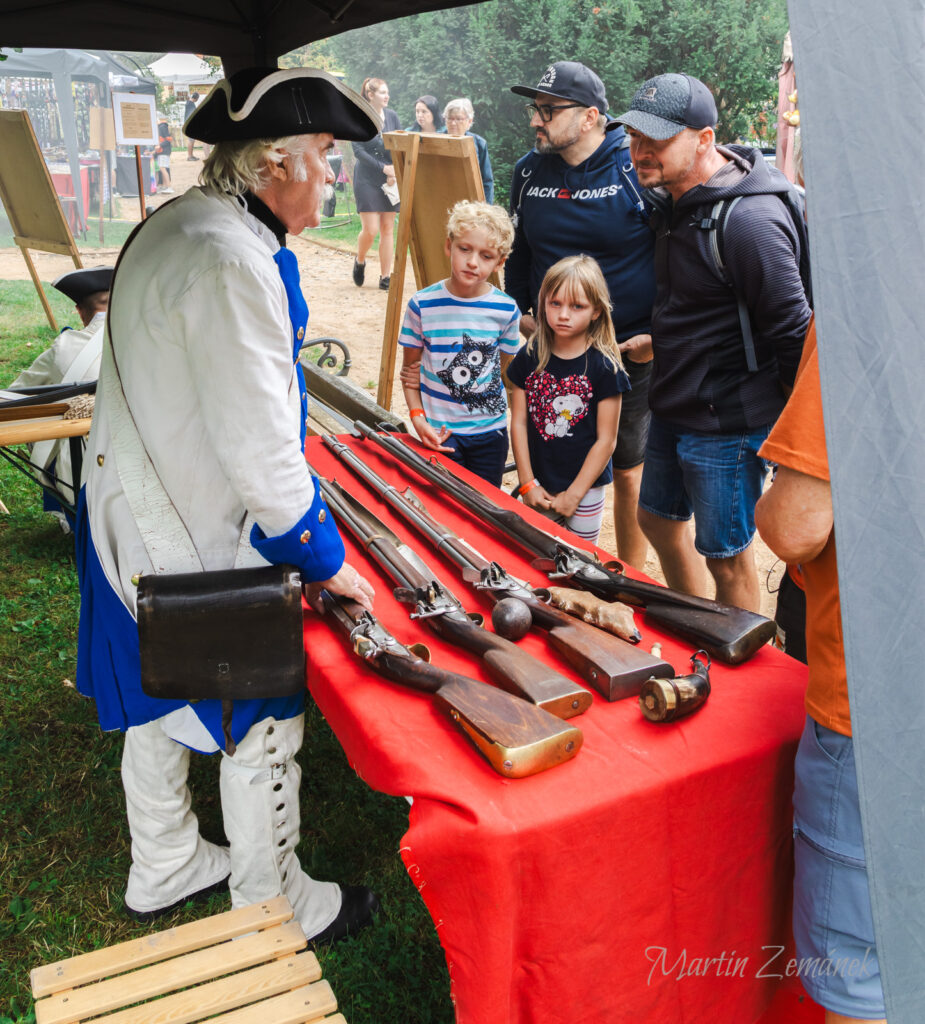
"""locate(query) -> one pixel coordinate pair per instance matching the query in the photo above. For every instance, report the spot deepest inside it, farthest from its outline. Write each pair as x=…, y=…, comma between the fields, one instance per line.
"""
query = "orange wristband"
x=416, y=412
x=528, y=486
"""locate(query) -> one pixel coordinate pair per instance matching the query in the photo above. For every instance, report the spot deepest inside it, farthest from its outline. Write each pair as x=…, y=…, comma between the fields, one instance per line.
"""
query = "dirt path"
x=339, y=309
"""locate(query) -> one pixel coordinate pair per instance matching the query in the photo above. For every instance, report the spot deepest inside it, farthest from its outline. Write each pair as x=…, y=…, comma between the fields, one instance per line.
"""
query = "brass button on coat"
x=306, y=537
x=322, y=515
x=100, y=459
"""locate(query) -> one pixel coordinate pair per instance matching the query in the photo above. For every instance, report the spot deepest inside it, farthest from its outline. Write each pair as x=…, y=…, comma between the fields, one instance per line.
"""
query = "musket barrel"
x=728, y=633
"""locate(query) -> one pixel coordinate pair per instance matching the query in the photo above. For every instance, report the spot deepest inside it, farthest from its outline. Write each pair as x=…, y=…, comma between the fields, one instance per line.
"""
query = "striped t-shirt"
x=461, y=386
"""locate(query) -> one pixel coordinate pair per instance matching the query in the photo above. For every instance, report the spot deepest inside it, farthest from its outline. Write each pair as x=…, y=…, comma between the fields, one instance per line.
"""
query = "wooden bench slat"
x=104, y=963
x=309, y=1003
x=158, y=978
x=195, y=1004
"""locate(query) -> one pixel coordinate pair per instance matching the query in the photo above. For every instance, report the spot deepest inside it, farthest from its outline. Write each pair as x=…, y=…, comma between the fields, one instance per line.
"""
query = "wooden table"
x=31, y=429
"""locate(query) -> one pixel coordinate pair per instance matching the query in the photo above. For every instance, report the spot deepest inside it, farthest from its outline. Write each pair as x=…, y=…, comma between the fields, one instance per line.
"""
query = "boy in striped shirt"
x=458, y=336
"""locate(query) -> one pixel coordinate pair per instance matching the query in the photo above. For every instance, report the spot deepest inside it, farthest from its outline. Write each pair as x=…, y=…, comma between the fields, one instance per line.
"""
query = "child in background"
x=565, y=403
x=458, y=337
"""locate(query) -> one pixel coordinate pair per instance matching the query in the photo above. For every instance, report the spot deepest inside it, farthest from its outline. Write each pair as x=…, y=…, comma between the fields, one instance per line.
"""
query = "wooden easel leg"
x=407, y=170
x=38, y=287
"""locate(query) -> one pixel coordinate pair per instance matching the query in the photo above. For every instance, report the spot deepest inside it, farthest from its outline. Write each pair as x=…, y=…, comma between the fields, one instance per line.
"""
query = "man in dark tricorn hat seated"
x=196, y=463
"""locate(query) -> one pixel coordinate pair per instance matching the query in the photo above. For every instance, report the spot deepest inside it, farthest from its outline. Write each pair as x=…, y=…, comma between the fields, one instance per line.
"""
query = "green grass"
x=115, y=233
x=343, y=227
x=64, y=851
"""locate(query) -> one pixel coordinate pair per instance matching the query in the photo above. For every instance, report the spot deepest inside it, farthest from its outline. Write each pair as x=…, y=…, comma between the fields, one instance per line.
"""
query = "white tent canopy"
x=184, y=69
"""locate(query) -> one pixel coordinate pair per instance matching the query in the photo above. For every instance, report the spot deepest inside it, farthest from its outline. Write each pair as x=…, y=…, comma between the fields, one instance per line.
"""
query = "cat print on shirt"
x=461, y=377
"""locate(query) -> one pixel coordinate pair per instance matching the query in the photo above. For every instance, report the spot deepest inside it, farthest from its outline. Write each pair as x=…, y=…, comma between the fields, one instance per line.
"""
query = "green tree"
x=480, y=51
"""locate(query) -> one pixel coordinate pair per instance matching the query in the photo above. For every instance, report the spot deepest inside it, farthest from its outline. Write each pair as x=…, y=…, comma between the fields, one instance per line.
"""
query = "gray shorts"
x=634, y=418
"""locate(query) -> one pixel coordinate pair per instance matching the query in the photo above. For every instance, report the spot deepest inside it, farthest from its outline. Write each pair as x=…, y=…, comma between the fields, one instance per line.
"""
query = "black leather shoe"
x=147, y=916
x=384, y=283
x=359, y=272
x=358, y=905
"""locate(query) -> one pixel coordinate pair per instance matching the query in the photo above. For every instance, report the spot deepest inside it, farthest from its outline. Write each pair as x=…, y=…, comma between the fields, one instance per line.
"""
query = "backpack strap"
x=716, y=225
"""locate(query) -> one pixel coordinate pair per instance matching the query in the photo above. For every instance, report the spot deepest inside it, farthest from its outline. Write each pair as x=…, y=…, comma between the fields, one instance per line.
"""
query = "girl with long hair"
x=565, y=404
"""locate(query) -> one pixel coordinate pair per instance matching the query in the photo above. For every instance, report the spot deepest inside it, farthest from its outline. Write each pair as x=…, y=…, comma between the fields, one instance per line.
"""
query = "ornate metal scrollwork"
x=327, y=359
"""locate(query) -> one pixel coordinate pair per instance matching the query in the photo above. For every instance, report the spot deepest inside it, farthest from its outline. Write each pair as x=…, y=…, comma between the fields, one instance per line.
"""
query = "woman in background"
x=459, y=116
x=373, y=170
x=427, y=116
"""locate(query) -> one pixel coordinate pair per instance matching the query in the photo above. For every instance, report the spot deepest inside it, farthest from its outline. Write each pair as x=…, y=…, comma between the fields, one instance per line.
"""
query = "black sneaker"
x=359, y=273
x=384, y=283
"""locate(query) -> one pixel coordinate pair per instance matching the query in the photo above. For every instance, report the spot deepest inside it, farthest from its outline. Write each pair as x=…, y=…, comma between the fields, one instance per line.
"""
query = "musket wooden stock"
x=614, y=668
x=728, y=633
x=516, y=738
x=512, y=668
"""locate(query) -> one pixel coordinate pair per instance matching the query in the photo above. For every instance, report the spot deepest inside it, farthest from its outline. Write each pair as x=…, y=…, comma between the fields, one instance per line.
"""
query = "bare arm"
x=608, y=418
x=411, y=371
x=538, y=497
x=794, y=516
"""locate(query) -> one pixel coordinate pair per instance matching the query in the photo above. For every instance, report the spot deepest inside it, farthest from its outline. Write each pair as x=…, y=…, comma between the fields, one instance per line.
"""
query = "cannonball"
x=511, y=618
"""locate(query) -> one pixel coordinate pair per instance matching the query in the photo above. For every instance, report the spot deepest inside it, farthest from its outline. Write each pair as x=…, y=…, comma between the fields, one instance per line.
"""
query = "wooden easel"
x=29, y=197
x=433, y=173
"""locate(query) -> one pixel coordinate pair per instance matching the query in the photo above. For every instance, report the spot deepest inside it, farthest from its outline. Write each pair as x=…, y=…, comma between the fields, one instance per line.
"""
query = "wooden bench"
x=194, y=972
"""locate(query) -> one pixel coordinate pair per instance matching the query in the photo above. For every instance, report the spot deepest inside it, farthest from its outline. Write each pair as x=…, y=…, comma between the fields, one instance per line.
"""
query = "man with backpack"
x=730, y=315
x=576, y=192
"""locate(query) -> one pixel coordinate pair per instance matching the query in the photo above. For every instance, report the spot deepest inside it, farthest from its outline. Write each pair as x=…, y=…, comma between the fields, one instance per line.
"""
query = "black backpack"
x=716, y=225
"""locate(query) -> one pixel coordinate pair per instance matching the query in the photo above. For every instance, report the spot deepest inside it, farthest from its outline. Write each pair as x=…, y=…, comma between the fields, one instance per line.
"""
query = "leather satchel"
x=229, y=635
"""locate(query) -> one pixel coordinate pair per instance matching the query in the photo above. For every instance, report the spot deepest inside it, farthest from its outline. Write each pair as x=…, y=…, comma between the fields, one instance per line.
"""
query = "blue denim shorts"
x=716, y=478
x=832, y=923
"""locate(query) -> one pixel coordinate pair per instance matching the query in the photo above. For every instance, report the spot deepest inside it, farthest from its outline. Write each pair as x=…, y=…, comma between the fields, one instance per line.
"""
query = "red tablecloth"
x=64, y=186
x=648, y=879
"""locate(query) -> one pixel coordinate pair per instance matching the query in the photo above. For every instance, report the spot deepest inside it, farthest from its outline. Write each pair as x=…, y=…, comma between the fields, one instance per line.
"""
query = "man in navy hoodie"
x=713, y=400
x=576, y=192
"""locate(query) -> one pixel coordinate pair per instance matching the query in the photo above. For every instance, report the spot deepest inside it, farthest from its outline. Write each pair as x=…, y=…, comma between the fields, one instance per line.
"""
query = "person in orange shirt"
x=832, y=921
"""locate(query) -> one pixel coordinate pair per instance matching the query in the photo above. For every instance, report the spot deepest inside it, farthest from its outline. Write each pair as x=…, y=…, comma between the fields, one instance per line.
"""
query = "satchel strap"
x=165, y=536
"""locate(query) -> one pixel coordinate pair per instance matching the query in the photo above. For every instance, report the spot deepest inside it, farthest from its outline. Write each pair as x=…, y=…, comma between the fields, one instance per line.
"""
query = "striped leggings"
x=586, y=521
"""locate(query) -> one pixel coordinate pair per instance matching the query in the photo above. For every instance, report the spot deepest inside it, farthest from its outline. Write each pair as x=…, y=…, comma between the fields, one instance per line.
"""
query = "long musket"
x=516, y=738
x=612, y=666
x=727, y=633
x=512, y=668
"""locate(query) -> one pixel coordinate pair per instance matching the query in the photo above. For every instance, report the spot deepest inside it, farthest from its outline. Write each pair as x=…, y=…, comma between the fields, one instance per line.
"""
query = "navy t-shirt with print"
x=562, y=411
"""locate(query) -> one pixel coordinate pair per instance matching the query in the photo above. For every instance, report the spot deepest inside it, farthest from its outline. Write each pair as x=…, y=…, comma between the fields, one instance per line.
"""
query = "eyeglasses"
x=547, y=112
x=457, y=120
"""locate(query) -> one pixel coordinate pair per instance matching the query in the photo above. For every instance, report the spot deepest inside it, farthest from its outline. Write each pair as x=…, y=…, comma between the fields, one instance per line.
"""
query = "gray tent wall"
x=860, y=70
x=63, y=67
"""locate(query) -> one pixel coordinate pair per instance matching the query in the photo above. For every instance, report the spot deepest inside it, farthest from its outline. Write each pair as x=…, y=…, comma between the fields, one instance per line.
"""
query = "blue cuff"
x=312, y=545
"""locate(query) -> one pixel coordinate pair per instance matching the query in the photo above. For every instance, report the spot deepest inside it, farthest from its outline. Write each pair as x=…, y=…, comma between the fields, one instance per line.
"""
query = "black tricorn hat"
x=271, y=103
x=79, y=284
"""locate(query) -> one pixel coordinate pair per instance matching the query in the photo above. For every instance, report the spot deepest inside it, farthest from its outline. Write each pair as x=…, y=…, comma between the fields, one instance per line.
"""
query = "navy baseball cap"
x=667, y=104
x=568, y=80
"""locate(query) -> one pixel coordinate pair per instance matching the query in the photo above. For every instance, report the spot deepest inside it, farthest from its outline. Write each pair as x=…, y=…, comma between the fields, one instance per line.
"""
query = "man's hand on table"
x=346, y=582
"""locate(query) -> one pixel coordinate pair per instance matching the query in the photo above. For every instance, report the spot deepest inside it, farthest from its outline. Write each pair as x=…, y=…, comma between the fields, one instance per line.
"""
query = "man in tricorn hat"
x=64, y=362
x=198, y=433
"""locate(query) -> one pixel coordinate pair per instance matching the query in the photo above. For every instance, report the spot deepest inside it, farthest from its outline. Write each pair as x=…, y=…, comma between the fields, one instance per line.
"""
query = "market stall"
x=58, y=88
